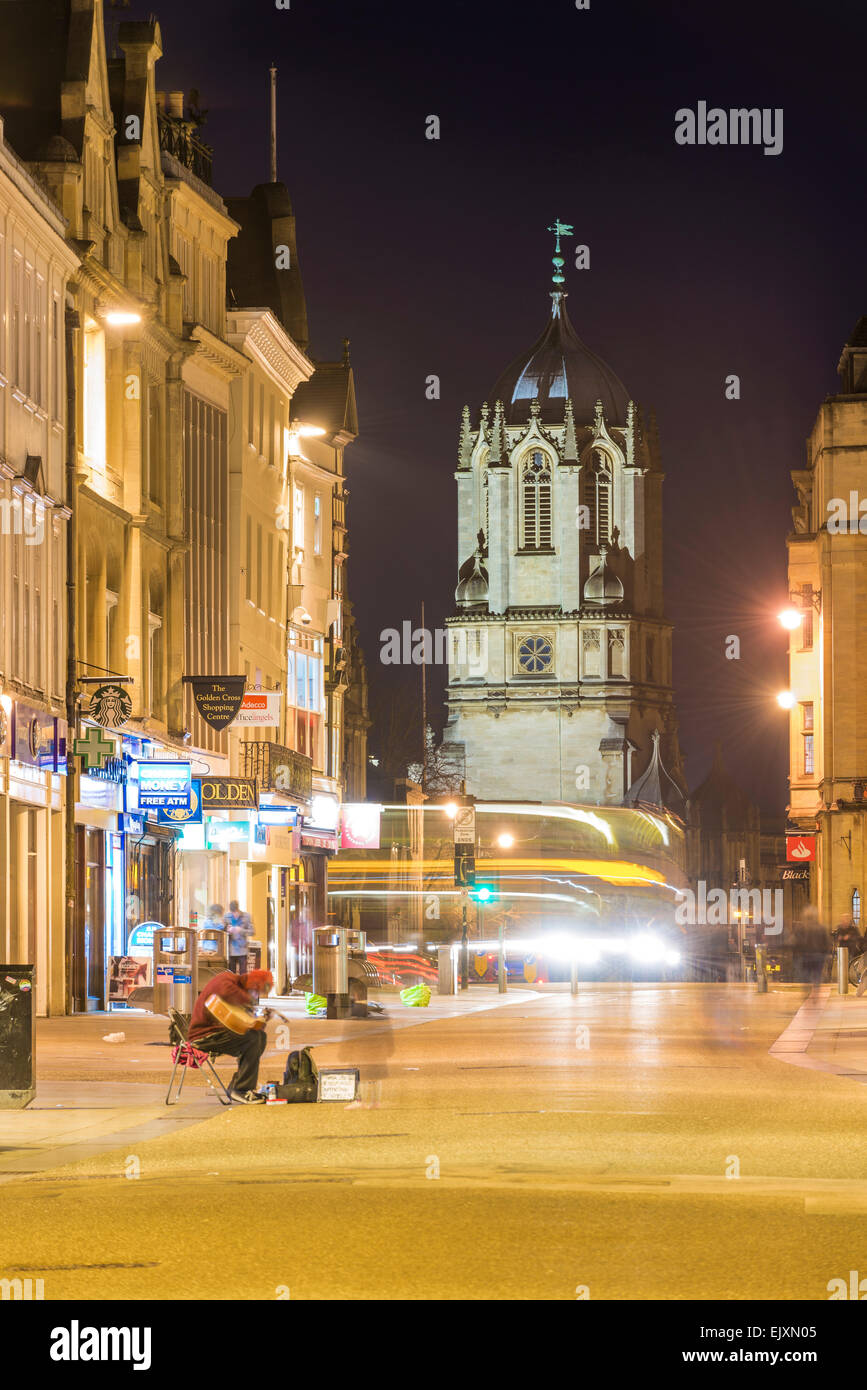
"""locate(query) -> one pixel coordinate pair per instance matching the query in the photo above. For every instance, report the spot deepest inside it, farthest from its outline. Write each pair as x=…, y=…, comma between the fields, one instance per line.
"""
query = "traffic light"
x=484, y=893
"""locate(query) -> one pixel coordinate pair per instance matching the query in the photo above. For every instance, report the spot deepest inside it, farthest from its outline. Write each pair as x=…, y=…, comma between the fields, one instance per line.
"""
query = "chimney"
x=176, y=105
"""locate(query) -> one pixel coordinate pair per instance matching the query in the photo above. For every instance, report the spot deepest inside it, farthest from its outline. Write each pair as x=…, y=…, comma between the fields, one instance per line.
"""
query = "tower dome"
x=559, y=366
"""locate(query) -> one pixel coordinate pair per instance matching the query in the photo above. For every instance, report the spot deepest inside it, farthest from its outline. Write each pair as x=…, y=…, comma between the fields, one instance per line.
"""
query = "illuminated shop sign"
x=230, y=793
x=278, y=815
x=359, y=827
x=227, y=832
x=184, y=815
x=164, y=786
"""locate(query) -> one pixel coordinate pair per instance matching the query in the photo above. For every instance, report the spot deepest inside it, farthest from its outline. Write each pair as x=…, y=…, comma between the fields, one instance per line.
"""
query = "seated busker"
x=223, y=1022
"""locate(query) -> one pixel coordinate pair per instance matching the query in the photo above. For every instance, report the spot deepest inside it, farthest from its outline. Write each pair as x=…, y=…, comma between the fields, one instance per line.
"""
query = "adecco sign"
x=230, y=793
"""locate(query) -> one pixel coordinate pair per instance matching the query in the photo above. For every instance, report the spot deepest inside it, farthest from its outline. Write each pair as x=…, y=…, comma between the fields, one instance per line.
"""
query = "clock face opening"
x=535, y=655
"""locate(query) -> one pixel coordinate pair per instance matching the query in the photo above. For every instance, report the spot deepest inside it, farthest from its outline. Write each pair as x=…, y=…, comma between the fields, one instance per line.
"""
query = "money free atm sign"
x=163, y=786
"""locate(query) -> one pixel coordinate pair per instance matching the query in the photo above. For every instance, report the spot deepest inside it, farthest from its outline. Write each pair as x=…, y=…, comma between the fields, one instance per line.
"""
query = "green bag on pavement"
x=315, y=1002
x=418, y=997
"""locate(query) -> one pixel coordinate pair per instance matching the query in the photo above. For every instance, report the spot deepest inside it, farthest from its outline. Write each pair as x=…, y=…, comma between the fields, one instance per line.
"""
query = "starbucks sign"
x=110, y=706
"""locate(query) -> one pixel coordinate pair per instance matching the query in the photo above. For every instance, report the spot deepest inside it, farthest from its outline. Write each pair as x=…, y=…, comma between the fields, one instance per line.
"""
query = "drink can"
x=271, y=1091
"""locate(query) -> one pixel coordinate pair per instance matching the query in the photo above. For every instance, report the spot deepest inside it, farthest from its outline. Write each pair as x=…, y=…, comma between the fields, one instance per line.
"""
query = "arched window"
x=536, y=503
x=597, y=499
x=486, y=506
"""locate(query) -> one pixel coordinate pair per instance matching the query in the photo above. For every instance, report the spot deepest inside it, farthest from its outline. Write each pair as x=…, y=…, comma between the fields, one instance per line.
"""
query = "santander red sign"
x=800, y=849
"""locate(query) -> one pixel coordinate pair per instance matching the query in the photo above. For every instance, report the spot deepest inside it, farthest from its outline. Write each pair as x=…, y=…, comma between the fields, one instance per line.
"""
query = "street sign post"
x=465, y=825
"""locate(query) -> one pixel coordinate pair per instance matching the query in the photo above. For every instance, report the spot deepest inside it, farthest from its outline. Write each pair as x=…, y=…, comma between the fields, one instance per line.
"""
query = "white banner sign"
x=260, y=709
x=465, y=825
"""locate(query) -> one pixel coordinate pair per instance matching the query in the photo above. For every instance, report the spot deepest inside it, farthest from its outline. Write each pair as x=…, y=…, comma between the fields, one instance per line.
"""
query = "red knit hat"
x=256, y=980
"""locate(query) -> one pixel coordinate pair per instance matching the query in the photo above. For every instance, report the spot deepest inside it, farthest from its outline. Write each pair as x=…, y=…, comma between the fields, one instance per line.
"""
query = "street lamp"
x=505, y=841
x=786, y=700
x=121, y=318
x=791, y=618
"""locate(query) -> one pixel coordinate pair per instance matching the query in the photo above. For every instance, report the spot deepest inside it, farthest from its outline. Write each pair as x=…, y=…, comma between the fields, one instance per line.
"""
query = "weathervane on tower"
x=559, y=229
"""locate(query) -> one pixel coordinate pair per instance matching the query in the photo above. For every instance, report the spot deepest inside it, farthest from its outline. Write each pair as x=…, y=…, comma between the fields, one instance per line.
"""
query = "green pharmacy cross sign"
x=93, y=749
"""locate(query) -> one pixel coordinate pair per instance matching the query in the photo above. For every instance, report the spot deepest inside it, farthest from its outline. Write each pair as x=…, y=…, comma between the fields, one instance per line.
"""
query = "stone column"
x=499, y=541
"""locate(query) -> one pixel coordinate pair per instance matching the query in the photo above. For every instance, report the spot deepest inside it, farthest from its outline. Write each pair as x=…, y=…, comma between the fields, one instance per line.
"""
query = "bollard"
x=501, y=963
x=842, y=969
x=573, y=977
x=761, y=977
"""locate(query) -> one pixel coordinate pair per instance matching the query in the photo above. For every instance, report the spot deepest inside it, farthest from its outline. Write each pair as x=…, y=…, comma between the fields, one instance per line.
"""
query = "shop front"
x=32, y=787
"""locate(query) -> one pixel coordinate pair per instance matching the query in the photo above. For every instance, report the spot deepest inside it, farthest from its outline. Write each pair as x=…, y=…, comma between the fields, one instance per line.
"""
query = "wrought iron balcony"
x=178, y=138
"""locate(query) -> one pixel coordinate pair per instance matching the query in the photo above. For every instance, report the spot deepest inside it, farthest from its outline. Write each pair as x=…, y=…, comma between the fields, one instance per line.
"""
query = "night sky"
x=433, y=257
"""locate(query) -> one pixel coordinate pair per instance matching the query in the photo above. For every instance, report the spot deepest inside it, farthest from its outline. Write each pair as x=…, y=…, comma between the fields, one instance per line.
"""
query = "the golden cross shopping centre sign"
x=218, y=698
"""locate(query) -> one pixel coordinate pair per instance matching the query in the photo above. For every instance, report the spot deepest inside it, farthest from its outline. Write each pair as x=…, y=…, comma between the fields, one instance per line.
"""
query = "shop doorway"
x=26, y=904
x=88, y=961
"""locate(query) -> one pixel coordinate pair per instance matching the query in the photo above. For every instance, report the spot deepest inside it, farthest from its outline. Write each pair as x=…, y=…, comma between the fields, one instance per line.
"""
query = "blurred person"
x=240, y=994
x=240, y=928
x=214, y=918
x=812, y=947
x=846, y=934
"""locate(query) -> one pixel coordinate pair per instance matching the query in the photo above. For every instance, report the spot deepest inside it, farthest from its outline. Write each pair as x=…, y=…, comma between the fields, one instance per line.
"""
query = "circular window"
x=535, y=654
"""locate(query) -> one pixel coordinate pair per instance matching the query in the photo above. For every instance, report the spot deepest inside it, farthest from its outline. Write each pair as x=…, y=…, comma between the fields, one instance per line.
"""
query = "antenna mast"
x=273, y=124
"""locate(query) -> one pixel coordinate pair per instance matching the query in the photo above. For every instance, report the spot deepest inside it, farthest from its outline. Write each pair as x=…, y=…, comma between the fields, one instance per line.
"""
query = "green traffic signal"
x=483, y=894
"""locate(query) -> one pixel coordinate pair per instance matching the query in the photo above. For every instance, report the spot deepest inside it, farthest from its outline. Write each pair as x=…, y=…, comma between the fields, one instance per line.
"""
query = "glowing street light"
x=786, y=699
x=450, y=809
x=121, y=318
x=505, y=841
x=791, y=618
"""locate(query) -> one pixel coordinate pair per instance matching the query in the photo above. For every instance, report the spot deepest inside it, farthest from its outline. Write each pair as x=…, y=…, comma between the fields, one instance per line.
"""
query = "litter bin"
x=331, y=969
x=212, y=947
x=17, y=1036
x=175, y=970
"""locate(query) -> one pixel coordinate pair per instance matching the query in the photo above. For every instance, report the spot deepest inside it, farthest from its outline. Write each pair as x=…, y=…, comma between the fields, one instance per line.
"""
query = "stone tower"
x=560, y=652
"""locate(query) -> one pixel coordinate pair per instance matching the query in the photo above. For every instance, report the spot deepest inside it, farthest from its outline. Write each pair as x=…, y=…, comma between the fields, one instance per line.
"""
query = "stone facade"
x=560, y=652
x=828, y=666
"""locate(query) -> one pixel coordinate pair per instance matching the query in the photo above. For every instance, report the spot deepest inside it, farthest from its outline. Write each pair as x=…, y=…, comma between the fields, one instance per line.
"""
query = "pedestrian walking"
x=812, y=947
x=240, y=928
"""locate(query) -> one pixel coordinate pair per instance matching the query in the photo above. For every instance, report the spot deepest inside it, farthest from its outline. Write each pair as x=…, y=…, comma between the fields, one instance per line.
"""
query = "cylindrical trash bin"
x=212, y=947
x=445, y=970
x=17, y=1036
x=175, y=970
x=330, y=961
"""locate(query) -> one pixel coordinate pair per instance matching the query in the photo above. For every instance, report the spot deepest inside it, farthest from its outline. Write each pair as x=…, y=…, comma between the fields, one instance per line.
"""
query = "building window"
x=317, y=525
x=597, y=499
x=535, y=655
x=111, y=600
x=155, y=664
x=57, y=358
x=15, y=353
x=806, y=626
x=856, y=907
x=305, y=696
x=808, y=755
x=298, y=518
x=536, y=504
x=94, y=396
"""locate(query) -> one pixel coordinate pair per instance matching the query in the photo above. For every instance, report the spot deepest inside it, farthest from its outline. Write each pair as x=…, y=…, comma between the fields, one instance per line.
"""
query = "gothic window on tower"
x=616, y=652
x=535, y=655
x=536, y=503
x=597, y=499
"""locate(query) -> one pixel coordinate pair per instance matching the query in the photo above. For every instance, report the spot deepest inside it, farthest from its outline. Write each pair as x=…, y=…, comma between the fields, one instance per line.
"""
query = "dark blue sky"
x=433, y=258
